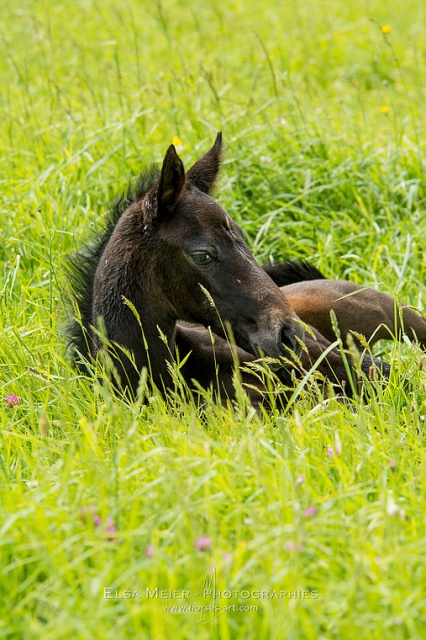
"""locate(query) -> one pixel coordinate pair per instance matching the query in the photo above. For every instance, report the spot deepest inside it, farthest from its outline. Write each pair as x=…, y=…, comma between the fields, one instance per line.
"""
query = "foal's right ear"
x=171, y=183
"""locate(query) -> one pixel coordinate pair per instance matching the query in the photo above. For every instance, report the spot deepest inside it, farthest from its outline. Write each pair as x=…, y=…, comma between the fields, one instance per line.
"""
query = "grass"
x=323, y=118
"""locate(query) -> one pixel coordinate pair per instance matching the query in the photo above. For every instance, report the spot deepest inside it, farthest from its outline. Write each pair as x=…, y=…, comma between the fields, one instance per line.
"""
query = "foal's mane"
x=81, y=267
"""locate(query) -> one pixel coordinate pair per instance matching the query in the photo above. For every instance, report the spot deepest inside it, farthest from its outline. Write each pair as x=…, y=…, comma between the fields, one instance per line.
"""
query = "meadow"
x=309, y=523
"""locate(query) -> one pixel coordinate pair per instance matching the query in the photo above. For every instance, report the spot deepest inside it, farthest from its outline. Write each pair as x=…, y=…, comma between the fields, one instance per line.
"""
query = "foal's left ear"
x=171, y=183
x=204, y=172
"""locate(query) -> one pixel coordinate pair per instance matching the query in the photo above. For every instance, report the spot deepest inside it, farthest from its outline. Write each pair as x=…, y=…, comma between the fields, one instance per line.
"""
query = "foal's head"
x=206, y=272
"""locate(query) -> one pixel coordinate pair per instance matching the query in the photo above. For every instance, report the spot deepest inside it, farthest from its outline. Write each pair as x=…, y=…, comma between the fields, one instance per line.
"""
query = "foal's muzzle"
x=284, y=339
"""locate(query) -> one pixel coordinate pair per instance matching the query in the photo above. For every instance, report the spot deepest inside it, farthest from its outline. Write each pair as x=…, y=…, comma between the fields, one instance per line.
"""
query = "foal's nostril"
x=287, y=337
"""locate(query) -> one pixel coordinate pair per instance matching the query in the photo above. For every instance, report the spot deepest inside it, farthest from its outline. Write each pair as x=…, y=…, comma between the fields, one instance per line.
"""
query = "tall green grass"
x=323, y=119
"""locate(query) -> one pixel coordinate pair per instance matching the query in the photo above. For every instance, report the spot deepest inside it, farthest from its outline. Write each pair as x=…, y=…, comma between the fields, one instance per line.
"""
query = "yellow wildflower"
x=384, y=110
x=386, y=29
x=177, y=141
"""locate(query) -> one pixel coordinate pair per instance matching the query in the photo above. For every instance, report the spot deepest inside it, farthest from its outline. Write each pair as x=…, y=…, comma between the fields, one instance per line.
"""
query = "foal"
x=170, y=253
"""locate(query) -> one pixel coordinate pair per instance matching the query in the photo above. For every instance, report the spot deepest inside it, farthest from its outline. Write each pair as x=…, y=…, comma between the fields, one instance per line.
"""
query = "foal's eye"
x=201, y=257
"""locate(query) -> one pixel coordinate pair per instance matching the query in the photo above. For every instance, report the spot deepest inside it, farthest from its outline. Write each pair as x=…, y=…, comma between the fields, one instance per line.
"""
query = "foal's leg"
x=213, y=365
x=375, y=315
x=212, y=361
x=333, y=366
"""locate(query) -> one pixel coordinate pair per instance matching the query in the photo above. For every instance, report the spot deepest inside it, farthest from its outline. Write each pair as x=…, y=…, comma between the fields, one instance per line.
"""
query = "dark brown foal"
x=170, y=253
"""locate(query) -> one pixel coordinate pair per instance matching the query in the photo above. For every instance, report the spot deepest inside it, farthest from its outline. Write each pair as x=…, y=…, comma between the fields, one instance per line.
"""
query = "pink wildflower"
x=203, y=543
x=110, y=525
x=291, y=546
x=12, y=400
x=90, y=510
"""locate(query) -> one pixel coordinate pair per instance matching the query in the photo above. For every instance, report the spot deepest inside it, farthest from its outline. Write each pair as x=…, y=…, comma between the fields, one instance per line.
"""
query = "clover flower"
x=12, y=400
x=203, y=543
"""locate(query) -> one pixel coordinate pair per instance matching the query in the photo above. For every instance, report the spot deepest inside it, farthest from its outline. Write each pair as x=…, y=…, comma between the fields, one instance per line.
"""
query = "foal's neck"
x=134, y=311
